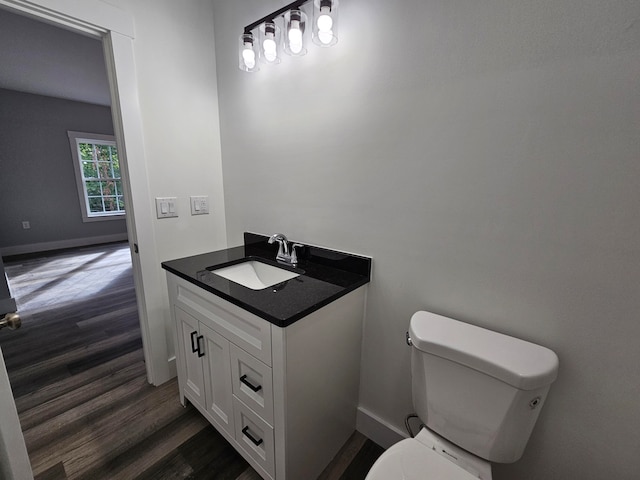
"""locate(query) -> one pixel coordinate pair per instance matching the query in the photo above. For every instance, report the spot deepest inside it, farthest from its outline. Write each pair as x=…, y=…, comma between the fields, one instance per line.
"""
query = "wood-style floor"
x=78, y=376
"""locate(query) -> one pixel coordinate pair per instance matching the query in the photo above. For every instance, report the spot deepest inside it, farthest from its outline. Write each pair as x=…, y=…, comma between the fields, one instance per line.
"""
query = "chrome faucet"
x=285, y=254
x=283, y=246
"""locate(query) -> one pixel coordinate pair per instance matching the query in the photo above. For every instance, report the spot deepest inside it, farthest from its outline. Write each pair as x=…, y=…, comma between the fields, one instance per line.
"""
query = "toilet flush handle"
x=408, y=339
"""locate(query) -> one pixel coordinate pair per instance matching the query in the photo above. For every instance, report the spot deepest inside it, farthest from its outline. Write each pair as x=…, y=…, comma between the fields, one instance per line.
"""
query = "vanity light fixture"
x=263, y=40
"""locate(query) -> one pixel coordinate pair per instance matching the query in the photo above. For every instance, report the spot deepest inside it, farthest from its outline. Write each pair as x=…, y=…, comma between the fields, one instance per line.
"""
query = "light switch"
x=166, y=207
x=200, y=205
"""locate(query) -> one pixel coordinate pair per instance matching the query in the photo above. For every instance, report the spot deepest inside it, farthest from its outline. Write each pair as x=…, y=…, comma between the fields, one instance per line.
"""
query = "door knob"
x=11, y=320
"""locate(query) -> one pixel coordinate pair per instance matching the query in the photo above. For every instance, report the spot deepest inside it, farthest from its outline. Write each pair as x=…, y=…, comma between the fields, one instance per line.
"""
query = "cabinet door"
x=217, y=373
x=192, y=370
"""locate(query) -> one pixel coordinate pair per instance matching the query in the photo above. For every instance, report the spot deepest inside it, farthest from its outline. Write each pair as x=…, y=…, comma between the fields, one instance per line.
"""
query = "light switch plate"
x=200, y=205
x=166, y=207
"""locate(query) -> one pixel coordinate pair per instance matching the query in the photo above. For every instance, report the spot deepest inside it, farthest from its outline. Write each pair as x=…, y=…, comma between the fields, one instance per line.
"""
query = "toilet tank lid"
x=519, y=363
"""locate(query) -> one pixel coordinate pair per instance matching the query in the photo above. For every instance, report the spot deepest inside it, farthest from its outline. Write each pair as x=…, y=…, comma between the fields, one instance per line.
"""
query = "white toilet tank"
x=479, y=389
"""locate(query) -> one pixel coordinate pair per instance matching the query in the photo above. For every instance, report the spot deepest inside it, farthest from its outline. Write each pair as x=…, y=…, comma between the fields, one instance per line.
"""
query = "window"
x=97, y=167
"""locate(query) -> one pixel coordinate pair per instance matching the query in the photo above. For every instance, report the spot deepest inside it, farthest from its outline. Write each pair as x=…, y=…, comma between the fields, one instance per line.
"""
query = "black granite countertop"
x=325, y=275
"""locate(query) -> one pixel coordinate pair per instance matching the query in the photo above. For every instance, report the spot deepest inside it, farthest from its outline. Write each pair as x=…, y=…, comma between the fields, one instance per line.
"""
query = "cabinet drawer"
x=252, y=383
x=254, y=436
x=250, y=332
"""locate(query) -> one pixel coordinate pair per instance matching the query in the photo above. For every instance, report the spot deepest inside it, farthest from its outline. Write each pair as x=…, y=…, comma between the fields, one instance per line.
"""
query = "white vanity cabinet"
x=286, y=398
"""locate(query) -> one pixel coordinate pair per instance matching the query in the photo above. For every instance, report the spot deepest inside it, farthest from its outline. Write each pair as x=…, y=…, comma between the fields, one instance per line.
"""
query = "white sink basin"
x=255, y=275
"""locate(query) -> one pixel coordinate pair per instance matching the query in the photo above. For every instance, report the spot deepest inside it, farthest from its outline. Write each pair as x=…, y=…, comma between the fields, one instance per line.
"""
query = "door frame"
x=115, y=28
x=14, y=460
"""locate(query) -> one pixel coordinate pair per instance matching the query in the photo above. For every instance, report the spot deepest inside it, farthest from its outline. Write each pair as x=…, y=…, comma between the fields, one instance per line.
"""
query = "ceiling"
x=39, y=58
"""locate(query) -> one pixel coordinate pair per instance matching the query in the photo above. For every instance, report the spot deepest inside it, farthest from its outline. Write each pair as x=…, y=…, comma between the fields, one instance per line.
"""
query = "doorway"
x=56, y=81
x=114, y=28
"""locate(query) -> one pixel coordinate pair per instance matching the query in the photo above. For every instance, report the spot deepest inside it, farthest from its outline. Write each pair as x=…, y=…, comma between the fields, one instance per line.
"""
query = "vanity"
x=274, y=367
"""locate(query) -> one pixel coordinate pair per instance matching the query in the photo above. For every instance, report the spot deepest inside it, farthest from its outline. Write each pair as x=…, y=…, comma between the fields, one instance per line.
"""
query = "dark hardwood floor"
x=77, y=372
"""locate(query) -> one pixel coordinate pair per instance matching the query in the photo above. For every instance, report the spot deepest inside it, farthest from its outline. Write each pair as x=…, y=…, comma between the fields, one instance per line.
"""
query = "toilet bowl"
x=428, y=457
x=479, y=394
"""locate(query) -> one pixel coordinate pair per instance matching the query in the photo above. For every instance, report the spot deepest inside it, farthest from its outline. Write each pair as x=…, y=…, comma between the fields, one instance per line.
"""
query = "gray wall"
x=486, y=155
x=37, y=182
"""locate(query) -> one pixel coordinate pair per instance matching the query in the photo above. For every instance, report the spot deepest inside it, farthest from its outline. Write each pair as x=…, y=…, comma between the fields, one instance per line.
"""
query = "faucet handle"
x=294, y=256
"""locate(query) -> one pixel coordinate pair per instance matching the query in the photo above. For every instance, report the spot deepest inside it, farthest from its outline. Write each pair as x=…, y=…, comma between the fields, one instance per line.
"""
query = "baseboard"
x=61, y=244
x=173, y=368
x=377, y=429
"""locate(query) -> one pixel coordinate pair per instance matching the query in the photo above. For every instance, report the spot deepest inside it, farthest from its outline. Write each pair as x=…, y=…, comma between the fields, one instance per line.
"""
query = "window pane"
x=108, y=188
x=104, y=168
x=103, y=152
x=119, y=190
x=93, y=189
x=89, y=170
x=110, y=204
x=121, y=203
x=116, y=166
x=86, y=151
x=95, y=205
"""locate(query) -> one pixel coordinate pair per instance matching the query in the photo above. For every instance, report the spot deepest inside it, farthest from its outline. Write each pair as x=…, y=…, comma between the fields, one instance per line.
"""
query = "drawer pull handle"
x=200, y=351
x=245, y=432
x=244, y=380
x=194, y=348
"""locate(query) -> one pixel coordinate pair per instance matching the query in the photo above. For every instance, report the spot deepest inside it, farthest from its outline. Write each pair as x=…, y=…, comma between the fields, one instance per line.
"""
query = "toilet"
x=478, y=394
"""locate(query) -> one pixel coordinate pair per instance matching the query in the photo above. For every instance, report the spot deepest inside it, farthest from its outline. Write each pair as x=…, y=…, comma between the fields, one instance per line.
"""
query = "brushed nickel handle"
x=11, y=320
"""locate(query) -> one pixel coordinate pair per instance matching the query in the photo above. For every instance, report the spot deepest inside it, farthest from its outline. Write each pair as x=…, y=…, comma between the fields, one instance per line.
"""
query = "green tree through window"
x=98, y=174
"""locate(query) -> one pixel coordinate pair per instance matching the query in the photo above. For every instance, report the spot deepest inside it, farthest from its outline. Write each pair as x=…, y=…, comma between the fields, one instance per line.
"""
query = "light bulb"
x=325, y=37
x=249, y=56
x=269, y=47
x=325, y=22
x=295, y=37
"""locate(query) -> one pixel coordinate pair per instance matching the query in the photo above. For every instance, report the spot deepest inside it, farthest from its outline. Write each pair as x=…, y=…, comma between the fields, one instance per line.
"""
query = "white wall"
x=485, y=154
x=175, y=62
